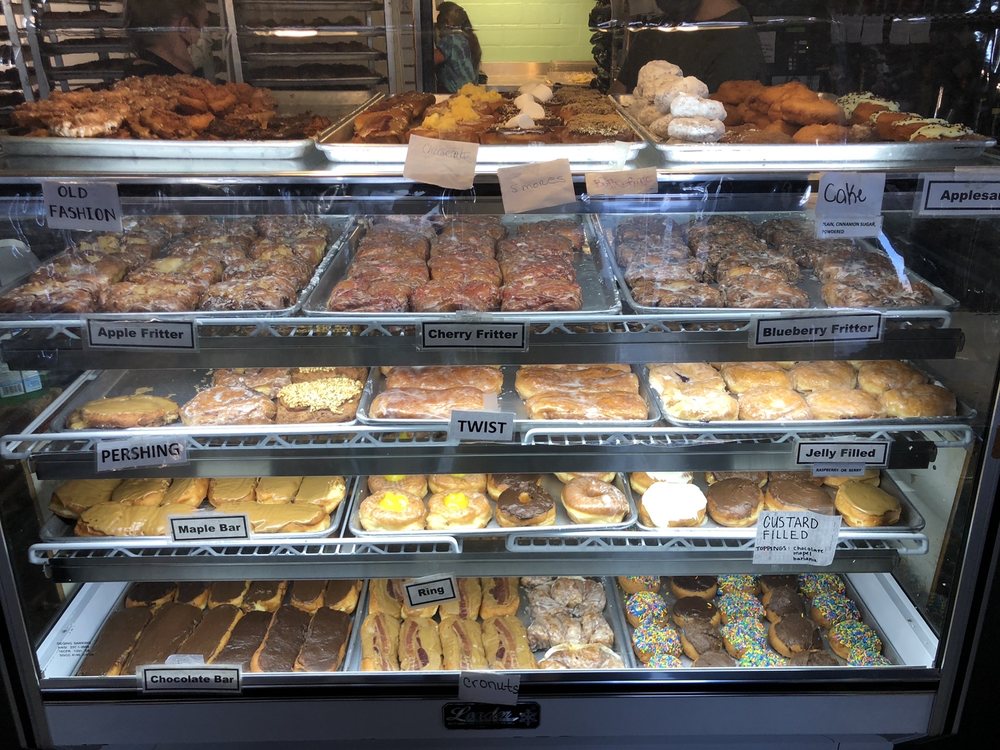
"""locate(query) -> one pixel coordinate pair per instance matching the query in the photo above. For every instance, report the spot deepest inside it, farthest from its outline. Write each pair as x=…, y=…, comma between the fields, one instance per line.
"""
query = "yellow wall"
x=531, y=30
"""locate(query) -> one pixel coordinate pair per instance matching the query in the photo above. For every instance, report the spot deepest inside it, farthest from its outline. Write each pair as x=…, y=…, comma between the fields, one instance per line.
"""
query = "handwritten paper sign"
x=623, y=182
x=533, y=186
x=447, y=164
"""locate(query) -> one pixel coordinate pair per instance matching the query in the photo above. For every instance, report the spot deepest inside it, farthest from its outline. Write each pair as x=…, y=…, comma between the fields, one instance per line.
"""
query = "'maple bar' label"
x=204, y=526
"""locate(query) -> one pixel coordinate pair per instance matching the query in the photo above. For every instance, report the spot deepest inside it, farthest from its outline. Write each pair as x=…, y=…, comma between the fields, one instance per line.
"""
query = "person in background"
x=457, y=53
x=162, y=33
x=713, y=55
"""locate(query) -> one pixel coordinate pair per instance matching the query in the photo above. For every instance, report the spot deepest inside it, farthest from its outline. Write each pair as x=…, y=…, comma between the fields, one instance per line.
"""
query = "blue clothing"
x=458, y=68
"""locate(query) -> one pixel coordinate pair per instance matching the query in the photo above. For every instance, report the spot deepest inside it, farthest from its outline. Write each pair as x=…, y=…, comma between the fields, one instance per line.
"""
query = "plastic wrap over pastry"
x=221, y=405
x=276, y=519
x=583, y=656
x=532, y=381
x=420, y=403
x=482, y=378
x=602, y=407
x=541, y=295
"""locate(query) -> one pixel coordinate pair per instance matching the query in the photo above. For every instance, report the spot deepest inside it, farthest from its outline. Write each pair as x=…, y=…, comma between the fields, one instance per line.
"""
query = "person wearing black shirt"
x=162, y=33
x=714, y=55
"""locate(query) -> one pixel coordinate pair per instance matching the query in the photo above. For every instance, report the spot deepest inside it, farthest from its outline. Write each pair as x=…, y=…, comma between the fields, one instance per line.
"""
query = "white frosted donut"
x=652, y=83
x=686, y=105
x=665, y=96
x=696, y=129
x=671, y=477
x=671, y=505
x=661, y=126
x=541, y=92
x=647, y=113
x=657, y=68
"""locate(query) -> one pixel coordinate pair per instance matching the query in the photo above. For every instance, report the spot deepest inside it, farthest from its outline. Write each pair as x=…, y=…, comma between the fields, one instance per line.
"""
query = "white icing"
x=696, y=129
x=524, y=100
x=541, y=92
x=672, y=477
x=687, y=105
x=533, y=109
x=668, y=504
x=520, y=120
x=670, y=89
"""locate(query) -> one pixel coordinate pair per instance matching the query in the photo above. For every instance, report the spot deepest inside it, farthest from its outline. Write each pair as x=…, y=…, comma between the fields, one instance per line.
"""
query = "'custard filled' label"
x=128, y=334
x=491, y=426
x=501, y=688
x=811, y=329
x=430, y=590
x=795, y=538
x=90, y=206
x=204, y=526
x=435, y=335
x=214, y=679
x=533, y=186
x=135, y=453
x=850, y=452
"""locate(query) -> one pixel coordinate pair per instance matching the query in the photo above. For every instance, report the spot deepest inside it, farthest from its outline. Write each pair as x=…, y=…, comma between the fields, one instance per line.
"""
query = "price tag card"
x=842, y=452
x=533, y=186
x=135, y=453
x=511, y=336
x=128, y=334
x=853, y=227
x=434, y=589
x=186, y=679
x=447, y=164
x=623, y=182
x=948, y=196
x=90, y=206
x=850, y=195
x=489, y=687
x=206, y=526
x=491, y=426
x=872, y=29
x=799, y=538
x=811, y=329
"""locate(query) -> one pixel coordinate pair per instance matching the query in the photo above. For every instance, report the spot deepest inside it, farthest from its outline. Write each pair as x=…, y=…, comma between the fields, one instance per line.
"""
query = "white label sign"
x=492, y=426
x=134, y=453
x=209, y=526
x=430, y=590
x=839, y=470
x=212, y=679
x=92, y=206
x=850, y=194
x=802, y=538
x=865, y=453
x=533, y=186
x=946, y=197
x=473, y=336
x=624, y=182
x=120, y=334
x=858, y=226
x=447, y=164
x=811, y=329
x=489, y=687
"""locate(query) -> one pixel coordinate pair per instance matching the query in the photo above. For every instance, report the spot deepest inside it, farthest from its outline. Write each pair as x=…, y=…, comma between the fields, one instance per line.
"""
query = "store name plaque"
x=800, y=538
x=128, y=334
x=430, y=590
x=90, y=206
x=507, y=336
x=213, y=679
x=842, y=452
x=204, y=526
x=135, y=453
x=813, y=329
x=492, y=426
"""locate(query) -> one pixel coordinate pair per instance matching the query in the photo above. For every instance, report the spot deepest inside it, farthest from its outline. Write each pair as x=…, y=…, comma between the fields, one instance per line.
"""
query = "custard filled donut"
x=568, y=476
x=794, y=635
x=704, y=587
x=878, y=376
x=589, y=500
x=413, y=484
x=689, y=609
x=792, y=495
x=843, y=403
x=821, y=134
x=780, y=603
x=458, y=509
x=686, y=105
x=696, y=129
x=456, y=482
x=769, y=583
x=392, y=510
x=525, y=505
x=640, y=481
x=497, y=484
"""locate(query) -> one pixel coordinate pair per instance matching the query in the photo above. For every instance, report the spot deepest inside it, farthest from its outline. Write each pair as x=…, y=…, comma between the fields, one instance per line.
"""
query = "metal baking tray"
x=593, y=274
x=508, y=401
x=278, y=56
x=278, y=83
x=550, y=484
x=336, y=144
x=604, y=229
x=910, y=519
x=339, y=228
x=59, y=529
x=613, y=615
x=179, y=385
x=964, y=414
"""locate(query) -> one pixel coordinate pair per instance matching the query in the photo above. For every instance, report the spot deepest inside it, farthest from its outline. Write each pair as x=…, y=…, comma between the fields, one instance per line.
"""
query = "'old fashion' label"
x=800, y=538
x=90, y=206
x=491, y=426
x=532, y=186
x=214, y=679
x=810, y=329
x=128, y=334
x=430, y=590
x=489, y=687
x=623, y=182
x=204, y=526
x=447, y=164
x=135, y=453
x=857, y=452
x=434, y=335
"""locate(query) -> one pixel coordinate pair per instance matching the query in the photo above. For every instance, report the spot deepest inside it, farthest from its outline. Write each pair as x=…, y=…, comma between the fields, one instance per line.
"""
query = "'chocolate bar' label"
x=213, y=679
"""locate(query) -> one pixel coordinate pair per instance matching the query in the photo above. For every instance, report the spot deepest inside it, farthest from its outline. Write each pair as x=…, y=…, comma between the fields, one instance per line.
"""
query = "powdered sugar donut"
x=696, y=129
x=647, y=114
x=686, y=105
x=657, y=69
x=665, y=96
x=660, y=127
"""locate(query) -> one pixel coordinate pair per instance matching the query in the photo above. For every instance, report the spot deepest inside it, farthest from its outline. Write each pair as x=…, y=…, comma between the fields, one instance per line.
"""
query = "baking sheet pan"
x=910, y=519
x=964, y=414
x=59, y=529
x=593, y=273
x=507, y=401
x=612, y=614
x=604, y=229
x=550, y=484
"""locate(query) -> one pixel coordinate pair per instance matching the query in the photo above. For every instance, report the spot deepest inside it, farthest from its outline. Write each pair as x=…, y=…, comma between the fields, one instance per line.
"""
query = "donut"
x=632, y=584
x=736, y=92
x=781, y=603
x=589, y=500
x=843, y=403
x=860, y=658
x=700, y=638
x=414, y=484
x=688, y=609
x=814, y=584
x=821, y=134
x=663, y=660
x=704, y=587
x=740, y=606
x=757, y=477
x=850, y=636
x=769, y=583
x=525, y=505
x=640, y=481
x=666, y=505
x=647, y=114
x=821, y=375
x=653, y=638
x=392, y=510
x=878, y=376
x=793, y=635
x=925, y=400
x=660, y=127
x=741, y=635
x=459, y=509
x=814, y=110
x=568, y=476
x=734, y=502
x=827, y=610
x=496, y=484
x=456, y=482
x=696, y=129
x=645, y=606
x=672, y=87
x=761, y=656
x=739, y=583
x=814, y=659
x=686, y=105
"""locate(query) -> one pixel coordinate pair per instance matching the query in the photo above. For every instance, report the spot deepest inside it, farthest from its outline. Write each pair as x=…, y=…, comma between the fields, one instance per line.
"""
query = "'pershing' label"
x=133, y=453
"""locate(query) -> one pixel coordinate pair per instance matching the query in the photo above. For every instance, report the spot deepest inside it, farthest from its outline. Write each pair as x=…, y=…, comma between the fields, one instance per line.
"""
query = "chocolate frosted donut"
x=778, y=582
x=734, y=502
x=781, y=603
x=813, y=659
x=714, y=659
x=700, y=638
x=704, y=587
x=497, y=483
x=793, y=495
x=525, y=505
x=689, y=609
x=794, y=635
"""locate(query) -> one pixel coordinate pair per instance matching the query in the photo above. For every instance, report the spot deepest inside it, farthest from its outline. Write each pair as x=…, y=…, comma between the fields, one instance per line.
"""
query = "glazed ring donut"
x=456, y=482
x=696, y=129
x=568, y=476
x=414, y=484
x=686, y=105
x=462, y=509
x=589, y=500
x=392, y=510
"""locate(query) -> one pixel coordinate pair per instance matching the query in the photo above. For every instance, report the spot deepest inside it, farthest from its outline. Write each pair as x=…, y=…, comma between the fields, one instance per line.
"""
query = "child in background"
x=457, y=53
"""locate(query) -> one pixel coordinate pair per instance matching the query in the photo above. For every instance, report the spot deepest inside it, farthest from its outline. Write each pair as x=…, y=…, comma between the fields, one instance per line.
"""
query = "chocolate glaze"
x=757, y=477
x=703, y=637
x=260, y=594
x=695, y=583
x=307, y=592
x=773, y=582
x=168, y=629
x=513, y=480
x=212, y=632
x=801, y=496
x=798, y=633
x=115, y=641
x=813, y=659
x=147, y=593
x=785, y=602
x=245, y=639
x=737, y=498
x=227, y=592
x=694, y=608
x=337, y=591
x=525, y=502
x=283, y=640
x=794, y=476
x=714, y=659
x=323, y=650
x=189, y=592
